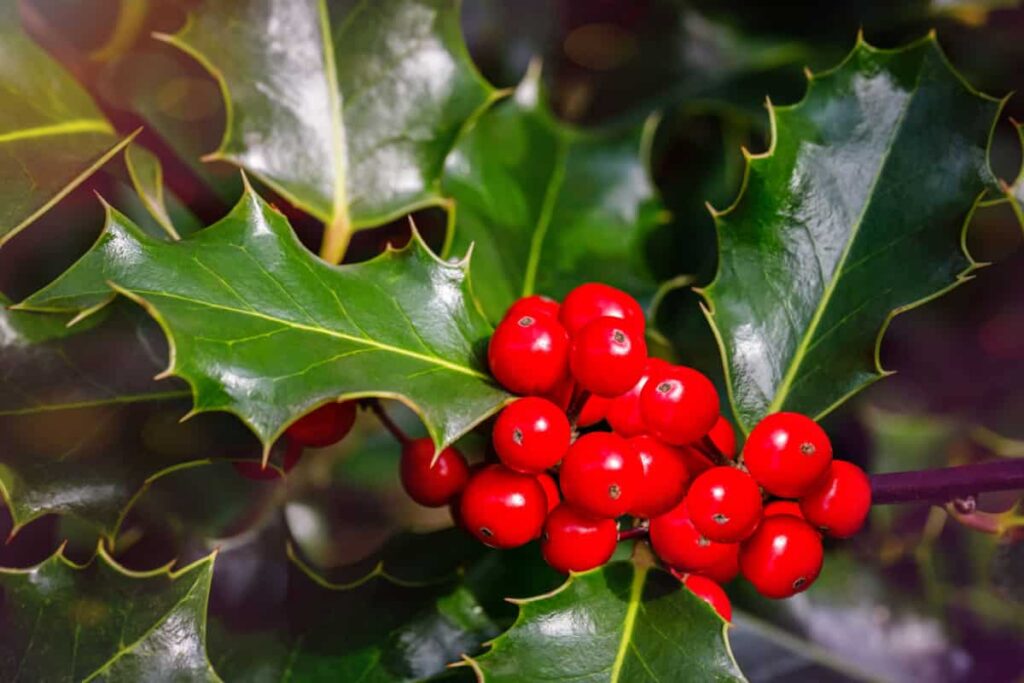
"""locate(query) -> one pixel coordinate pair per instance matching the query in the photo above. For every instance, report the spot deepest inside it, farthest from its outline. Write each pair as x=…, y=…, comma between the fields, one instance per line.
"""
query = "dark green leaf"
x=52, y=136
x=347, y=114
x=63, y=622
x=118, y=428
x=375, y=631
x=411, y=558
x=856, y=213
x=147, y=177
x=548, y=207
x=623, y=622
x=261, y=328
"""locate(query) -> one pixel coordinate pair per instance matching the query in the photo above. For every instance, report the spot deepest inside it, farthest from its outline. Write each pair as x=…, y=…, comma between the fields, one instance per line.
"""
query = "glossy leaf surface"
x=349, y=114
x=63, y=622
x=622, y=622
x=547, y=206
x=856, y=213
x=375, y=631
x=52, y=135
x=118, y=429
x=261, y=328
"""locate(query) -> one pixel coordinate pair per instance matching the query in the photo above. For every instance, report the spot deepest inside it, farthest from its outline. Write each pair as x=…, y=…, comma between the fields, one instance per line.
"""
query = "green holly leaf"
x=376, y=630
x=147, y=177
x=548, y=206
x=856, y=213
x=61, y=622
x=347, y=114
x=52, y=135
x=261, y=328
x=119, y=429
x=625, y=621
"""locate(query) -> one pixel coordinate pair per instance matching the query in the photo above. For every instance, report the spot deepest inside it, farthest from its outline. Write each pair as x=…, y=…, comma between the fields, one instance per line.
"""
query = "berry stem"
x=943, y=485
x=707, y=446
x=389, y=424
x=576, y=403
x=635, y=532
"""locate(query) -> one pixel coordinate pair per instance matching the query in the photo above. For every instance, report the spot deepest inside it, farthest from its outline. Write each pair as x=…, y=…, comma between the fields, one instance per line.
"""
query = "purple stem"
x=948, y=483
x=635, y=532
x=400, y=436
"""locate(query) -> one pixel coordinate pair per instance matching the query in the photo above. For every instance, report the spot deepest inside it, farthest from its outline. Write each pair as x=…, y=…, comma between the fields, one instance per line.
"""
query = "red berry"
x=535, y=305
x=574, y=541
x=724, y=438
x=724, y=504
x=839, y=502
x=783, y=557
x=787, y=453
x=551, y=494
x=593, y=411
x=726, y=569
x=529, y=354
x=595, y=300
x=607, y=358
x=325, y=426
x=601, y=474
x=679, y=404
x=432, y=485
x=664, y=480
x=624, y=411
x=531, y=435
x=676, y=541
x=711, y=593
x=502, y=508
x=783, y=507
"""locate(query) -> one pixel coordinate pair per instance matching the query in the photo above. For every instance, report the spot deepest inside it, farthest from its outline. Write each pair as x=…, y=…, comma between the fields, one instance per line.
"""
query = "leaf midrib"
x=72, y=127
x=547, y=210
x=339, y=200
x=782, y=393
x=319, y=330
x=629, y=622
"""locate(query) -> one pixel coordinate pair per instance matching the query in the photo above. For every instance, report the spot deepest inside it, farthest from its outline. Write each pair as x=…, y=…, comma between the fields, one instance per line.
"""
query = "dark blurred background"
x=916, y=597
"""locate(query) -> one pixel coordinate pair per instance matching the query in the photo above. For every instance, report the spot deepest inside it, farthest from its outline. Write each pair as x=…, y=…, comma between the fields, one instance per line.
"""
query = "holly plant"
x=327, y=352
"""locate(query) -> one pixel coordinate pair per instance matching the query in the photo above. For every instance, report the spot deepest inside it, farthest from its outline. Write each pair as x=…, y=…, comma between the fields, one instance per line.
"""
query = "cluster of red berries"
x=668, y=461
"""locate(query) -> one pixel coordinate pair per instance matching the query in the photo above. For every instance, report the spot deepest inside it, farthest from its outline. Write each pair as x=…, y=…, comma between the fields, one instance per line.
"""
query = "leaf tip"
x=246, y=185
x=166, y=373
x=808, y=74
